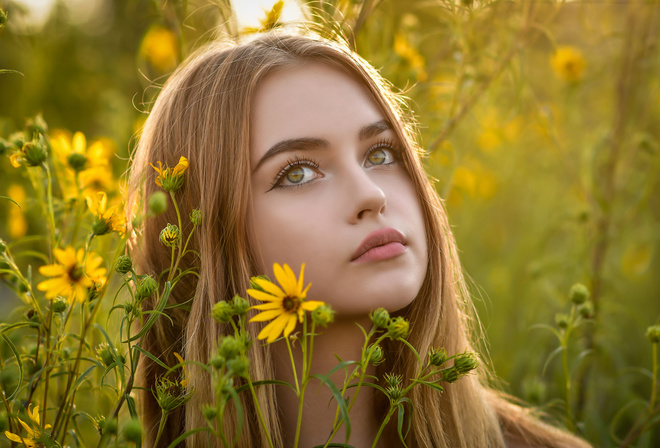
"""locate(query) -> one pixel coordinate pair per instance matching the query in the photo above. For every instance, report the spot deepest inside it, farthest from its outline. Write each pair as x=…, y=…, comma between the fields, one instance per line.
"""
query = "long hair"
x=203, y=113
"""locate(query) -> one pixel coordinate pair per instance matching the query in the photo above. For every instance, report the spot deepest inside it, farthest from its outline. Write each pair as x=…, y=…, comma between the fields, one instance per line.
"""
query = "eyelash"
x=309, y=162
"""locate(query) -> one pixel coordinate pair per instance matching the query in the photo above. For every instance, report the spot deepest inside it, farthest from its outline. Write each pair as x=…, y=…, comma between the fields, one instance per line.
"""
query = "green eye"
x=377, y=157
x=295, y=175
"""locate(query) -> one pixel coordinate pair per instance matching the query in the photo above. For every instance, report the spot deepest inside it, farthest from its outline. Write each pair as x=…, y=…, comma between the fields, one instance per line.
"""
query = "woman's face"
x=328, y=190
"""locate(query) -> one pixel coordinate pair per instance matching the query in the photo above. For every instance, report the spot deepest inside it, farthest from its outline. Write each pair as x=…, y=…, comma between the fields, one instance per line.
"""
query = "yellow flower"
x=284, y=304
x=184, y=380
x=34, y=434
x=72, y=275
x=16, y=222
x=92, y=163
x=171, y=179
x=108, y=219
x=568, y=63
x=161, y=48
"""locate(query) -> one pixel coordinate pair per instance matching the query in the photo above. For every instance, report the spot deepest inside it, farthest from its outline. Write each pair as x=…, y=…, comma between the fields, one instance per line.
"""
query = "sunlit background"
x=542, y=123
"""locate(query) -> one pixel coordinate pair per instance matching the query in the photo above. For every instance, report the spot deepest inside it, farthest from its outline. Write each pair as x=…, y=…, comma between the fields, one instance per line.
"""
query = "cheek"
x=289, y=232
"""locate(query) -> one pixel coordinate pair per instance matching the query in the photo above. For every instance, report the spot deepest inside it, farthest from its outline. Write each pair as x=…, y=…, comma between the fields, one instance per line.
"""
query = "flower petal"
x=300, y=279
x=79, y=142
x=311, y=305
x=290, y=325
x=267, y=306
x=286, y=280
x=268, y=286
x=13, y=437
x=52, y=270
x=267, y=315
x=273, y=330
x=264, y=297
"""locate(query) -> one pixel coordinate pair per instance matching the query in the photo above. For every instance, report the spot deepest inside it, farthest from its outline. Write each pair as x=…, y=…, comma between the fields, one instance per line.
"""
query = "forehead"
x=309, y=100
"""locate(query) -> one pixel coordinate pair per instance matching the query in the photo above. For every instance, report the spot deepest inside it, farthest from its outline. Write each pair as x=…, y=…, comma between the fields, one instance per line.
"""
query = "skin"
x=319, y=211
x=357, y=187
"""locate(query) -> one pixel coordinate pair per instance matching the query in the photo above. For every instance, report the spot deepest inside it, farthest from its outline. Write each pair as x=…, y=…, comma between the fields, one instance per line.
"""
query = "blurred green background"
x=542, y=124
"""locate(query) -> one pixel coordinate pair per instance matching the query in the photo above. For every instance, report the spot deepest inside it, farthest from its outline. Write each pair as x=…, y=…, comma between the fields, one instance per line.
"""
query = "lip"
x=381, y=244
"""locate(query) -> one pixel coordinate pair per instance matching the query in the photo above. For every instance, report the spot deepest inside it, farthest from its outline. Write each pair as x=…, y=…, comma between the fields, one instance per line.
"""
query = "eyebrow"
x=309, y=143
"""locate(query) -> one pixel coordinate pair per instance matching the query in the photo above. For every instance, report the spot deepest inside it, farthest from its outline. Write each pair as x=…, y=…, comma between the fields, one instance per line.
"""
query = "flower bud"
x=238, y=366
x=133, y=431
x=3, y=18
x=170, y=395
x=170, y=236
x=376, y=355
x=323, y=315
x=450, y=375
x=36, y=125
x=123, y=264
x=34, y=152
x=59, y=304
x=465, y=362
x=109, y=426
x=104, y=353
x=146, y=288
x=77, y=161
x=380, y=318
x=17, y=139
x=240, y=306
x=157, y=203
x=229, y=347
x=438, y=357
x=217, y=362
x=562, y=321
x=653, y=334
x=398, y=328
x=196, y=217
x=578, y=294
x=586, y=310
x=210, y=412
x=392, y=380
x=394, y=394
x=223, y=312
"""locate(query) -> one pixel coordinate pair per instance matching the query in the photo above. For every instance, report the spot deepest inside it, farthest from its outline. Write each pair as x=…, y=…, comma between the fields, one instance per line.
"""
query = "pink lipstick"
x=380, y=245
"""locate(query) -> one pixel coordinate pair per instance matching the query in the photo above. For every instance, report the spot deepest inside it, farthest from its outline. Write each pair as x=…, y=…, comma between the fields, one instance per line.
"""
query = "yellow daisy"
x=91, y=162
x=283, y=304
x=69, y=279
x=34, y=434
x=108, y=219
x=568, y=63
x=171, y=179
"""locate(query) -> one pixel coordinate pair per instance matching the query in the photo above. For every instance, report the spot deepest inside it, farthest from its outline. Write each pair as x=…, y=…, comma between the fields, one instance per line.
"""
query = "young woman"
x=300, y=152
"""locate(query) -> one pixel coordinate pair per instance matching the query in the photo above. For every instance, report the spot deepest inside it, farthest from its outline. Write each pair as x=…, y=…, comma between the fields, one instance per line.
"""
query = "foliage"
x=540, y=120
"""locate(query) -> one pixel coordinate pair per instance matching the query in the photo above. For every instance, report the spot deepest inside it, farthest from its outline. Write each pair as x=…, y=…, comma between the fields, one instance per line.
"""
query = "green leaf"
x=18, y=363
x=554, y=353
x=399, y=424
x=341, y=403
x=185, y=435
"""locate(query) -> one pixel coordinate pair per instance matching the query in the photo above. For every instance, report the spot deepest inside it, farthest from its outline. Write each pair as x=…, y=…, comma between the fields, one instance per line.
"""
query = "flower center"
x=291, y=304
x=75, y=273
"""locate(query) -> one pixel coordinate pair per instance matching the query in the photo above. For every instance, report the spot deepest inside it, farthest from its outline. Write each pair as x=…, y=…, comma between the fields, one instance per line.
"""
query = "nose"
x=367, y=198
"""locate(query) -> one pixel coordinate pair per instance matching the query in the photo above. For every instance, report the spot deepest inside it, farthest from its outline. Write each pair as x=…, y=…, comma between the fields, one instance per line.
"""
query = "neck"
x=344, y=339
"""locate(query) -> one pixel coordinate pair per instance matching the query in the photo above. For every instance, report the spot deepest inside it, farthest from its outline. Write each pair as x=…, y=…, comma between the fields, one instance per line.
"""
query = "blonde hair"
x=203, y=114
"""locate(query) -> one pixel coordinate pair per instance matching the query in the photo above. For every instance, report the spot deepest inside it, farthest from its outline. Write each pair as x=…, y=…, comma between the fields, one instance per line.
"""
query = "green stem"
x=382, y=426
x=567, y=381
x=261, y=417
x=293, y=365
x=51, y=213
x=655, y=377
x=363, y=371
x=161, y=427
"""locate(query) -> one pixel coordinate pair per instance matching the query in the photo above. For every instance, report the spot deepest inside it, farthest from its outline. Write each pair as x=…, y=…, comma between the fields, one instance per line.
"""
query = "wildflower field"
x=541, y=122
